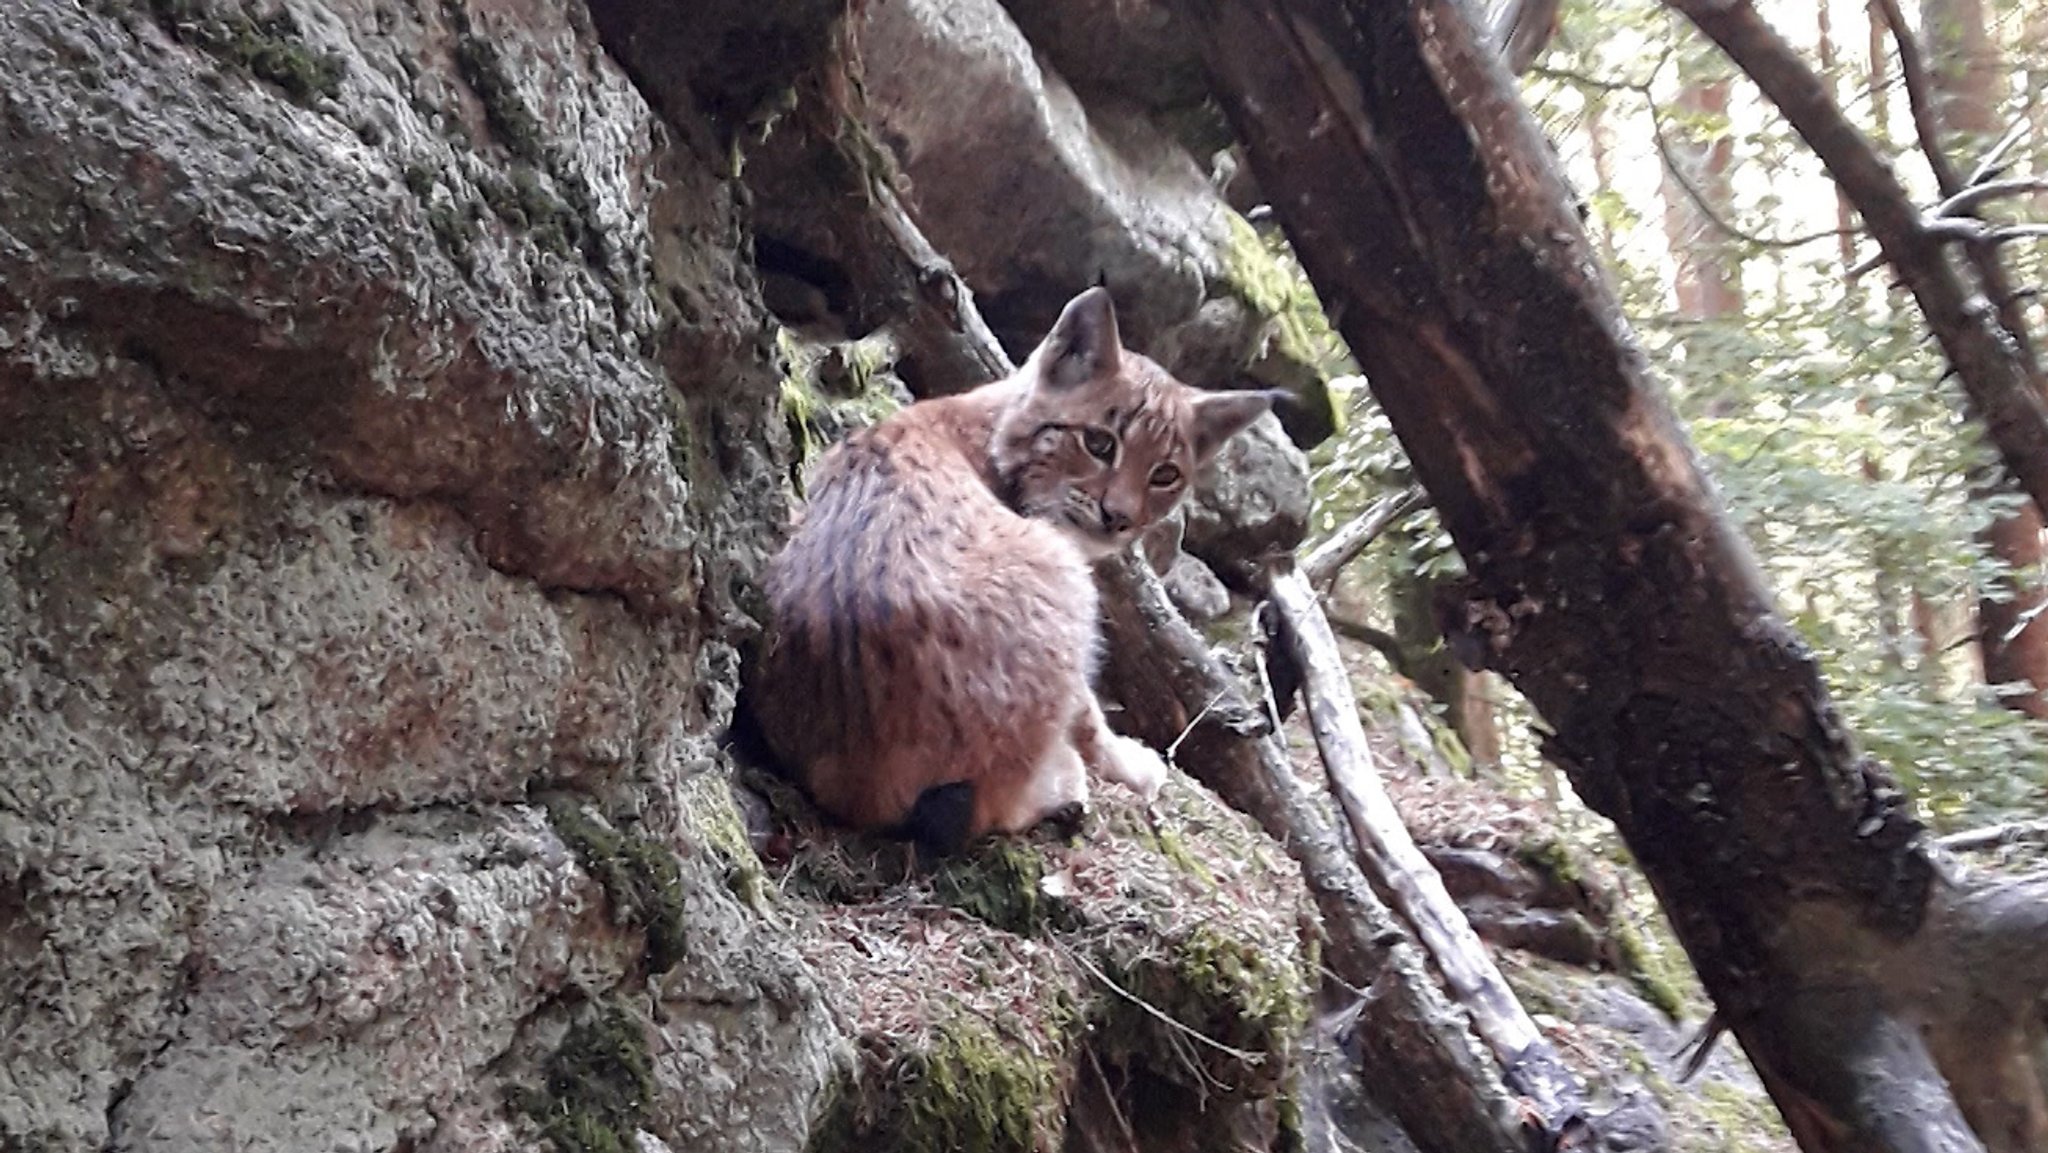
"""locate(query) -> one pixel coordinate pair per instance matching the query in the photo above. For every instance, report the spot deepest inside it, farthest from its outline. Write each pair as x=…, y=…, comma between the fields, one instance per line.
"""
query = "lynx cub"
x=933, y=620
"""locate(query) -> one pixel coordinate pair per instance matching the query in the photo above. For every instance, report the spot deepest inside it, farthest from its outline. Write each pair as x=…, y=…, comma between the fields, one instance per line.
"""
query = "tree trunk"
x=1606, y=584
x=1845, y=214
x=1698, y=185
x=1964, y=72
x=1436, y=671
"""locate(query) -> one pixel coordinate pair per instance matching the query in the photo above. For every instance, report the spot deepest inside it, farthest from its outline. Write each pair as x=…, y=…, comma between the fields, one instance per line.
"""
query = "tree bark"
x=1604, y=582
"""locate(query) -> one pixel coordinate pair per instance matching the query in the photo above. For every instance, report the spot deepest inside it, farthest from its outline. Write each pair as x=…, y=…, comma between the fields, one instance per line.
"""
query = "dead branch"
x=1984, y=256
x=1396, y=867
x=1994, y=160
x=1993, y=371
x=1327, y=559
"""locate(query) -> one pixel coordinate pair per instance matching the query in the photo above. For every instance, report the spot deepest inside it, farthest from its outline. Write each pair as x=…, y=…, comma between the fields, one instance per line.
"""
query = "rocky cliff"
x=397, y=401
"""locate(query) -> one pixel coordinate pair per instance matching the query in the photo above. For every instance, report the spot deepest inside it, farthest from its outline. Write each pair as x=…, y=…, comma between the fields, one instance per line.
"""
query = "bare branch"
x=1327, y=559
x=1993, y=369
x=1977, y=195
x=1993, y=162
x=1927, y=123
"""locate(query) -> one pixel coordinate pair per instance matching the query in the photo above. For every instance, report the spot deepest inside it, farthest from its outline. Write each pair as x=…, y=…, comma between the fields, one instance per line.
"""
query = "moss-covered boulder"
x=1151, y=968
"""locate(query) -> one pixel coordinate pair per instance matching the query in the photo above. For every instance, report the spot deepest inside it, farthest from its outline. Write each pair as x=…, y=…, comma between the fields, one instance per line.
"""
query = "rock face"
x=1037, y=193
x=389, y=415
x=390, y=430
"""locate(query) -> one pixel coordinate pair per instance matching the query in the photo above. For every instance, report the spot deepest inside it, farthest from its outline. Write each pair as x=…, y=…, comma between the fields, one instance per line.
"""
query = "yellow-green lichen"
x=641, y=879
x=1302, y=350
x=1645, y=972
x=1164, y=837
x=1210, y=997
x=707, y=799
x=829, y=390
x=597, y=1085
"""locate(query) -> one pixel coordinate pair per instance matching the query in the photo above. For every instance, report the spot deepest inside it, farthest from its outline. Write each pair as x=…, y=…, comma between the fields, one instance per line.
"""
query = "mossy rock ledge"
x=1140, y=985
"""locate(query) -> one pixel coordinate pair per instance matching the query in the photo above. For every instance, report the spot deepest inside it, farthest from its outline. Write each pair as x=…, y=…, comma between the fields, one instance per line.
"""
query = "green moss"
x=707, y=798
x=1742, y=1121
x=420, y=180
x=641, y=879
x=269, y=47
x=1291, y=1126
x=1553, y=858
x=1303, y=351
x=959, y=1088
x=1000, y=884
x=598, y=1085
x=1163, y=837
x=1225, y=988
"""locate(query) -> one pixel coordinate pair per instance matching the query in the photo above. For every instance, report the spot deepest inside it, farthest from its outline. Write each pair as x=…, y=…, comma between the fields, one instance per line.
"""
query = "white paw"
x=1136, y=767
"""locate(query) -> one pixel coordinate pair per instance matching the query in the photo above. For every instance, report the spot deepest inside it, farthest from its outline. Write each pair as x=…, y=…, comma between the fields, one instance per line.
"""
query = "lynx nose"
x=1113, y=521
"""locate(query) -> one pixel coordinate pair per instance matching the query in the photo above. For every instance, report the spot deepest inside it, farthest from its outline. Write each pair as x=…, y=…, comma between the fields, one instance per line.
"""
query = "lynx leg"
x=1118, y=758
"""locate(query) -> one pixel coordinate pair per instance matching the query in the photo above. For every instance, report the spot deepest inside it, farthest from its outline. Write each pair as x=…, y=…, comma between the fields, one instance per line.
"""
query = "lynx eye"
x=1165, y=476
x=1099, y=444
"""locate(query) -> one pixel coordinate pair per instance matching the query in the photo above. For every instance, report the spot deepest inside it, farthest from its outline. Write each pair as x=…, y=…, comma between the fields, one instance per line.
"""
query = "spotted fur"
x=933, y=619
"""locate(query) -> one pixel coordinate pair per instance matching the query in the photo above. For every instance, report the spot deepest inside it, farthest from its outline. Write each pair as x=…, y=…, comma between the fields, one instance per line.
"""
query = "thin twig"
x=1672, y=163
x=1918, y=97
x=1326, y=560
x=1195, y=720
x=1993, y=160
x=1995, y=836
x=1189, y=1031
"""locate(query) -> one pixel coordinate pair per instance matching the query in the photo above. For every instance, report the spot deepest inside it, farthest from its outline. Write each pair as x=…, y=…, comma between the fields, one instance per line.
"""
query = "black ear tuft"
x=1083, y=345
x=1222, y=415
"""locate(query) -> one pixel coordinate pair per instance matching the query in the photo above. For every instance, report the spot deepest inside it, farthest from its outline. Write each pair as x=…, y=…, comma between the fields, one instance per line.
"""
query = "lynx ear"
x=1083, y=345
x=1222, y=415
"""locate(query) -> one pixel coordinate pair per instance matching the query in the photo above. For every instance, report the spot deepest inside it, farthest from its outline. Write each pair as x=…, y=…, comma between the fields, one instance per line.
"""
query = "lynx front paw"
x=1136, y=767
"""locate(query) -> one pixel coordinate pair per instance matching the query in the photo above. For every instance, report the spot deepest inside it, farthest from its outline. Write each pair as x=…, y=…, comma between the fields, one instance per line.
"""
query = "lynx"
x=933, y=624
